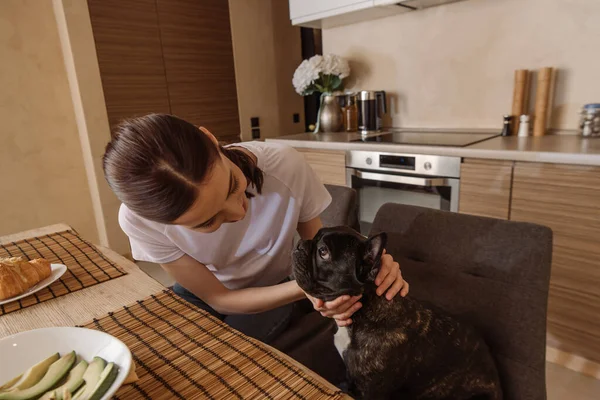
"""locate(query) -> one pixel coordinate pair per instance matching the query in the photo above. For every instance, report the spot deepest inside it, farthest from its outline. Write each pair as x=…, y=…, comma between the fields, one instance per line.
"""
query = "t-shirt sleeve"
x=315, y=197
x=147, y=239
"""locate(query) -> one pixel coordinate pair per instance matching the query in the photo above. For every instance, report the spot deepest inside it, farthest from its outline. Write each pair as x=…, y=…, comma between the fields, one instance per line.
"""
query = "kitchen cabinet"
x=130, y=58
x=198, y=55
x=322, y=14
x=304, y=8
x=566, y=198
x=329, y=165
x=167, y=56
x=485, y=188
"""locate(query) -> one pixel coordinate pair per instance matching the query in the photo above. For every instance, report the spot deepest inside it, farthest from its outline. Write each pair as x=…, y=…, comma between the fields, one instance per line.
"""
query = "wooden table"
x=84, y=305
x=106, y=300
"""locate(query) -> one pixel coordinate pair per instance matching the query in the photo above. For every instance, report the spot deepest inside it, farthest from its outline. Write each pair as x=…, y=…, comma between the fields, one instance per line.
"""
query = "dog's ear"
x=374, y=248
x=373, y=251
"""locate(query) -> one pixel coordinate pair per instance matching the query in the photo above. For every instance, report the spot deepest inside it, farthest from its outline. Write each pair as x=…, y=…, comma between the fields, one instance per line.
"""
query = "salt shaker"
x=523, y=126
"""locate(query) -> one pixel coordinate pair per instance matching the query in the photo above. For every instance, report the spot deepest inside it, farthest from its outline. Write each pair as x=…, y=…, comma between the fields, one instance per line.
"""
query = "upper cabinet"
x=327, y=14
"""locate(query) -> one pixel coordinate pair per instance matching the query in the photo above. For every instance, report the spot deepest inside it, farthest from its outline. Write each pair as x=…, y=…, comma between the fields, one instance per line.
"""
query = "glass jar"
x=351, y=113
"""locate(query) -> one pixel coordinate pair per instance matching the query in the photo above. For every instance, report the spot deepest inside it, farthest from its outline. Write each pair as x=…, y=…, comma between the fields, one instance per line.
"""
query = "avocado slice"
x=57, y=371
x=78, y=394
x=10, y=383
x=74, y=382
x=107, y=378
x=91, y=377
x=34, y=374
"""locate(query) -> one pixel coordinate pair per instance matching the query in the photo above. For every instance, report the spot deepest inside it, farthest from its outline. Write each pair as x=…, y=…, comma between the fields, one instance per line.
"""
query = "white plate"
x=21, y=351
x=57, y=271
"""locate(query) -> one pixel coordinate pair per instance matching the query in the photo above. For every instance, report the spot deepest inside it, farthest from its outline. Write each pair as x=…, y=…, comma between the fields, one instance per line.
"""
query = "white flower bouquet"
x=320, y=74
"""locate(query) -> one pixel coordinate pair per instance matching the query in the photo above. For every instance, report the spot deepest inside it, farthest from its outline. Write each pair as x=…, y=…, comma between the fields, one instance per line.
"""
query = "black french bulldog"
x=399, y=348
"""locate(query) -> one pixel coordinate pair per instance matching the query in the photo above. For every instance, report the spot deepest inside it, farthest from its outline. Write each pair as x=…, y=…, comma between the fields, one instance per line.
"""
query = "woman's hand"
x=340, y=309
x=389, y=278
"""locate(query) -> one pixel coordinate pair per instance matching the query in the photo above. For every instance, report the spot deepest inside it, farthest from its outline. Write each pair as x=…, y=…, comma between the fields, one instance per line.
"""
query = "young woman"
x=221, y=220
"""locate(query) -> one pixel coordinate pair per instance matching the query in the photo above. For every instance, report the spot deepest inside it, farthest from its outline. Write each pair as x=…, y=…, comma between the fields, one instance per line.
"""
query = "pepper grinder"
x=506, y=127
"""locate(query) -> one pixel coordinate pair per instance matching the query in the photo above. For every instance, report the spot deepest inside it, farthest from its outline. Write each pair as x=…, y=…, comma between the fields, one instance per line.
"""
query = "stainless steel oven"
x=414, y=179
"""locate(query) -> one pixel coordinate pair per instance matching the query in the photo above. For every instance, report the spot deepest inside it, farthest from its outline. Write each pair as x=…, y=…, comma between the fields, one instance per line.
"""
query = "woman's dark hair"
x=155, y=163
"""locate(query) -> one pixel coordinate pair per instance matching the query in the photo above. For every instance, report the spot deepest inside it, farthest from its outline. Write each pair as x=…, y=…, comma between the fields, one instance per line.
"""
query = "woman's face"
x=221, y=197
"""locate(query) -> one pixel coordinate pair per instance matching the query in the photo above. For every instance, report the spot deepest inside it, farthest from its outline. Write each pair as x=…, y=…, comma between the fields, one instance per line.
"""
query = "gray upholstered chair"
x=492, y=273
x=343, y=208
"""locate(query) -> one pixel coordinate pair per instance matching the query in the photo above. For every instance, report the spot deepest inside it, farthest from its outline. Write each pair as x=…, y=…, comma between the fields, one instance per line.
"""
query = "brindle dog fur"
x=398, y=349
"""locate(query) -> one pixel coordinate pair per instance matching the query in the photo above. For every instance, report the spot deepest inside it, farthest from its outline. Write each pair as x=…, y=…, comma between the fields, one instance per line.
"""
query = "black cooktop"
x=454, y=139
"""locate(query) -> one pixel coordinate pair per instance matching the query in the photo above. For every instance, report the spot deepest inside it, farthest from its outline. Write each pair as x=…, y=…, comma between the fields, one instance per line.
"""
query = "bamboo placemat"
x=86, y=266
x=182, y=352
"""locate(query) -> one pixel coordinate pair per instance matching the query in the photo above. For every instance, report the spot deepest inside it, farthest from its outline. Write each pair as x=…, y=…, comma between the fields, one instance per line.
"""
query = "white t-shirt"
x=255, y=251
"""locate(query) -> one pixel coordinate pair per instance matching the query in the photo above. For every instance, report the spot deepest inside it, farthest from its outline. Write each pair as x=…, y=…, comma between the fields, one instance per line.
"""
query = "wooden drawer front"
x=485, y=188
x=566, y=198
x=330, y=166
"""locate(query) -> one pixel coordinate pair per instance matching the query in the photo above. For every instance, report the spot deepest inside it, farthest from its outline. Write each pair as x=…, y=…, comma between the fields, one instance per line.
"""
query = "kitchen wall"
x=53, y=123
x=267, y=50
x=452, y=66
x=42, y=172
x=81, y=63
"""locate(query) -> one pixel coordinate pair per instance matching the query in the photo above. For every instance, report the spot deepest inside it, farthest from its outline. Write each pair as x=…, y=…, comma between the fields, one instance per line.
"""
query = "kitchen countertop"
x=559, y=149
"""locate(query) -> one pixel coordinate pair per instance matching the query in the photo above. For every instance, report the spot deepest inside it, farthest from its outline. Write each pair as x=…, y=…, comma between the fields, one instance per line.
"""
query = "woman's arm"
x=307, y=230
x=199, y=280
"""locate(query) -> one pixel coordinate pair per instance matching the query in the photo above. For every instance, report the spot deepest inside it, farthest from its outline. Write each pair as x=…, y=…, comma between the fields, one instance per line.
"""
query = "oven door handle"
x=406, y=180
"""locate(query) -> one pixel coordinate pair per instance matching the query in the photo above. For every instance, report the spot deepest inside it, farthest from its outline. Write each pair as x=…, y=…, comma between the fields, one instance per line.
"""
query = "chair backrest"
x=343, y=209
x=491, y=273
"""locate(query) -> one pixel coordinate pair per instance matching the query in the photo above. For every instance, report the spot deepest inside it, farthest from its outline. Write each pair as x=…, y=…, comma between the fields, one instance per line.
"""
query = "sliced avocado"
x=92, y=376
x=74, y=381
x=34, y=374
x=79, y=393
x=57, y=371
x=10, y=383
x=107, y=378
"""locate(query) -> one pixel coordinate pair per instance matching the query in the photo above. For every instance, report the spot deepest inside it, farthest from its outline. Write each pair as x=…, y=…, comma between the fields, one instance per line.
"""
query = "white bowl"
x=21, y=351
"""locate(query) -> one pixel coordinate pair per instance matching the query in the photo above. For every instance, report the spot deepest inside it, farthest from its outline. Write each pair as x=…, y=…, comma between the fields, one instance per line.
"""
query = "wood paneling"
x=130, y=57
x=198, y=55
x=485, y=188
x=566, y=198
x=330, y=166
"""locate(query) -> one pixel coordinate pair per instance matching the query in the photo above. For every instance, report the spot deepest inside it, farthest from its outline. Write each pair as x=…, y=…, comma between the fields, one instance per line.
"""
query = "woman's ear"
x=210, y=135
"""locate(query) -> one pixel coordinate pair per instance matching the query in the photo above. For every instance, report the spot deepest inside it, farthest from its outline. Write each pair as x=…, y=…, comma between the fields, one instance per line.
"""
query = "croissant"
x=18, y=275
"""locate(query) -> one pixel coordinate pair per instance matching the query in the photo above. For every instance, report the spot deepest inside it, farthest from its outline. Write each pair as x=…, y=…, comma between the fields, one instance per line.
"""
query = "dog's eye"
x=324, y=253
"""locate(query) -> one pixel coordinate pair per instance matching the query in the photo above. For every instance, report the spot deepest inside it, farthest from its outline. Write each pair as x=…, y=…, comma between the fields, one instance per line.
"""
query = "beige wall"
x=81, y=63
x=54, y=122
x=266, y=49
x=452, y=66
x=42, y=173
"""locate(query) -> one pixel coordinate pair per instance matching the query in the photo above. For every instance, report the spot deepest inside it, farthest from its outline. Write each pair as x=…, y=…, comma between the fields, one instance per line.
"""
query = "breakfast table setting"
x=98, y=327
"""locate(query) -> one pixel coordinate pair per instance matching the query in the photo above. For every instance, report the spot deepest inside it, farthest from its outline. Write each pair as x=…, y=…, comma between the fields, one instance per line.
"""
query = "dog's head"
x=338, y=261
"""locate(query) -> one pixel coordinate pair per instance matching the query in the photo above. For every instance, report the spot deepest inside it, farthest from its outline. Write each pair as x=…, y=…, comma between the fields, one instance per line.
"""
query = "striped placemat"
x=86, y=266
x=182, y=352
